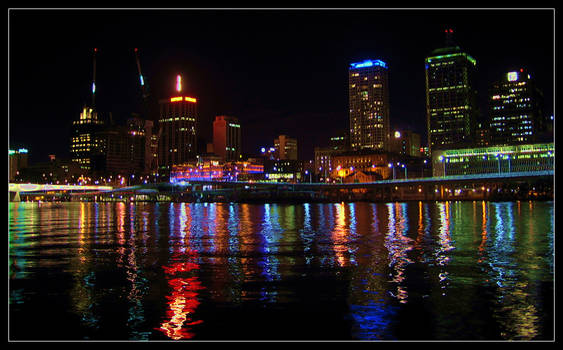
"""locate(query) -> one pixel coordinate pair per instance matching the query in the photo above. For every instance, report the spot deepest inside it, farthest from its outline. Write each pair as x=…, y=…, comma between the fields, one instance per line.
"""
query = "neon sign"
x=369, y=63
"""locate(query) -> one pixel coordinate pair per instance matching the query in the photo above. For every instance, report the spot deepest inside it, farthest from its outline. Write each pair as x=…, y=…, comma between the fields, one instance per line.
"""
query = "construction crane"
x=94, y=78
x=144, y=89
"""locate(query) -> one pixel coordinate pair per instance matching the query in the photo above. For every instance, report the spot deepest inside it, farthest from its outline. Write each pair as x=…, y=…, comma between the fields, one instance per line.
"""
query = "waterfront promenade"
x=496, y=186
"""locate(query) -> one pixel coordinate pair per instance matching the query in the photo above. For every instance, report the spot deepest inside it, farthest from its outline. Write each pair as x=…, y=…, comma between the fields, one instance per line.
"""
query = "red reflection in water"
x=182, y=302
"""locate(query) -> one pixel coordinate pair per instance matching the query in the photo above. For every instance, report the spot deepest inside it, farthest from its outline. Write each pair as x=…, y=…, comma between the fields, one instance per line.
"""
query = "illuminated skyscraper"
x=368, y=93
x=451, y=100
x=85, y=140
x=177, y=141
x=227, y=137
x=515, y=109
x=286, y=148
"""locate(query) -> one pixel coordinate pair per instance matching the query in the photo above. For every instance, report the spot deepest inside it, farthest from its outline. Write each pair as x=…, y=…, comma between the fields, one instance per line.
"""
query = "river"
x=234, y=271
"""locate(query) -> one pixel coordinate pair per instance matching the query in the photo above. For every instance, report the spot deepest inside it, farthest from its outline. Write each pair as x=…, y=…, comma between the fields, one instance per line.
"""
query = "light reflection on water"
x=473, y=270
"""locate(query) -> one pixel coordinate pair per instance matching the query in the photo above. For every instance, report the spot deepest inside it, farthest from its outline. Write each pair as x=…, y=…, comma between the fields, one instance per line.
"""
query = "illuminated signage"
x=181, y=98
x=369, y=63
x=512, y=76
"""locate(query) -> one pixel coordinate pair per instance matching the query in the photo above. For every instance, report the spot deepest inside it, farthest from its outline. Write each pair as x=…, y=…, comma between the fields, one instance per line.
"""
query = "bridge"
x=38, y=189
x=520, y=185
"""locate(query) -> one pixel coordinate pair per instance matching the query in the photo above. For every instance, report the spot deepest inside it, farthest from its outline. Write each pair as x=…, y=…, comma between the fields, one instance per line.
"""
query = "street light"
x=403, y=166
x=509, y=167
x=390, y=165
x=442, y=160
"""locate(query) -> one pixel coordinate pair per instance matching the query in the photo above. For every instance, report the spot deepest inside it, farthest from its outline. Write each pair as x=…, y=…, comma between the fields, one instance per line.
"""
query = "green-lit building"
x=451, y=98
x=493, y=159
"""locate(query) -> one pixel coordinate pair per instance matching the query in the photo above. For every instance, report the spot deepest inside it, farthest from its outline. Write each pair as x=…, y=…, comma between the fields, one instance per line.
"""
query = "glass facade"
x=451, y=104
x=177, y=131
x=515, y=108
x=494, y=159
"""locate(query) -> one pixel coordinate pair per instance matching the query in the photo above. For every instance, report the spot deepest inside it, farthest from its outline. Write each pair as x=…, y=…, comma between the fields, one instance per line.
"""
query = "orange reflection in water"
x=340, y=236
x=483, y=245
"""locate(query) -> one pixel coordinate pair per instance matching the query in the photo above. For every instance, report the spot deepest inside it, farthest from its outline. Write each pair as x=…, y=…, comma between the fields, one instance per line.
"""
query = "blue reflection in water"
x=269, y=263
x=501, y=259
x=373, y=321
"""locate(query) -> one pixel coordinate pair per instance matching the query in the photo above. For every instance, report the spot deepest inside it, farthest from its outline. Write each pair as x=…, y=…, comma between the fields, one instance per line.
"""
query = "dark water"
x=345, y=271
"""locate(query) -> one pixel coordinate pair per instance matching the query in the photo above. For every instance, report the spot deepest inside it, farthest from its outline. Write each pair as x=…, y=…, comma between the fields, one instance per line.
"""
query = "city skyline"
x=286, y=75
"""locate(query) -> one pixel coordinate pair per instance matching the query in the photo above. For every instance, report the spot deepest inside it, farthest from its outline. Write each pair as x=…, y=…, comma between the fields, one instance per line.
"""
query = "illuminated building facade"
x=285, y=148
x=515, y=108
x=368, y=93
x=227, y=137
x=368, y=162
x=215, y=169
x=18, y=161
x=177, y=139
x=283, y=170
x=494, y=159
x=451, y=100
x=406, y=143
x=85, y=140
x=482, y=134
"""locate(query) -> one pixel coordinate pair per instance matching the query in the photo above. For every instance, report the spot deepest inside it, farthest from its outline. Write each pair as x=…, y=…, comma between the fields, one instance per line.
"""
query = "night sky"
x=279, y=72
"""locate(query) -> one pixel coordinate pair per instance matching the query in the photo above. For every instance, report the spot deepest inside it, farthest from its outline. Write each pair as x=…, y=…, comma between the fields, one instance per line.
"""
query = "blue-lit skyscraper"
x=368, y=93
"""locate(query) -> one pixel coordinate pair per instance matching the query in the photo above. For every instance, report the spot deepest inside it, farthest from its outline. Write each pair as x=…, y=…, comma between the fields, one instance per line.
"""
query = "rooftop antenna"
x=179, y=83
x=449, y=37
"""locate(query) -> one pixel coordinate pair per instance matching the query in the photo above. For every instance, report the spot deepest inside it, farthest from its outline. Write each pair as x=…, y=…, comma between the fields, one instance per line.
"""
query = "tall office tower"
x=451, y=100
x=515, y=109
x=368, y=93
x=18, y=161
x=226, y=137
x=177, y=142
x=286, y=147
x=85, y=139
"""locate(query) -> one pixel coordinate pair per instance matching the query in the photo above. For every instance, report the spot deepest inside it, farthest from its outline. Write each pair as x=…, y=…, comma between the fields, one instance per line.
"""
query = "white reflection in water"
x=398, y=245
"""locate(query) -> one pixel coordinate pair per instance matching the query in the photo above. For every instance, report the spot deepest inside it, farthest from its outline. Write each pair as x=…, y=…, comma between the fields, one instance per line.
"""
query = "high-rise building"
x=18, y=161
x=515, y=110
x=451, y=98
x=227, y=137
x=406, y=142
x=368, y=93
x=177, y=142
x=285, y=147
x=85, y=141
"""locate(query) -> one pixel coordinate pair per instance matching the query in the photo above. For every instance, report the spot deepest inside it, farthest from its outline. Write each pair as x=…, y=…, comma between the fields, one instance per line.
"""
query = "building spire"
x=449, y=37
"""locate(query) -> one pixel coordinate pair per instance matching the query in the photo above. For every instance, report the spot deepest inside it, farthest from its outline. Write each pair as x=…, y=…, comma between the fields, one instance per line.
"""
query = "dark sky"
x=277, y=71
